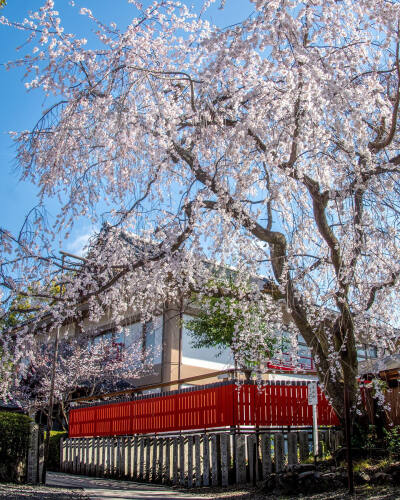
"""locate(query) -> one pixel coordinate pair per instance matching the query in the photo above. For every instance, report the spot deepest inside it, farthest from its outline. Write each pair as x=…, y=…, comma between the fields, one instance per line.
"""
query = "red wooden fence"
x=217, y=405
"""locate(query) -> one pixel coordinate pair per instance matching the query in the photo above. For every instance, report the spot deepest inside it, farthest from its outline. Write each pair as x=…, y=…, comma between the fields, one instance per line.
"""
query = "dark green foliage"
x=221, y=319
x=14, y=442
x=54, y=450
x=392, y=439
x=364, y=437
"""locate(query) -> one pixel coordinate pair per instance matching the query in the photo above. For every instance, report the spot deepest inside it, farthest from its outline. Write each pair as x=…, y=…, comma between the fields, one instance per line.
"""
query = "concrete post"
x=251, y=441
x=97, y=457
x=292, y=449
x=214, y=460
x=118, y=456
x=70, y=455
x=104, y=447
x=141, y=459
x=93, y=457
x=266, y=455
x=160, y=459
x=66, y=465
x=74, y=453
x=148, y=462
x=32, y=475
x=128, y=456
x=175, y=460
x=62, y=454
x=206, y=461
x=167, y=469
x=89, y=447
x=197, y=460
x=81, y=463
x=77, y=455
x=86, y=448
x=182, y=461
x=84, y=456
x=114, y=457
x=171, y=358
x=153, y=475
x=135, y=457
x=63, y=464
x=224, y=438
x=279, y=452
x=240, y=459
x=108, y=461
x=124, y=446
x=190, y=461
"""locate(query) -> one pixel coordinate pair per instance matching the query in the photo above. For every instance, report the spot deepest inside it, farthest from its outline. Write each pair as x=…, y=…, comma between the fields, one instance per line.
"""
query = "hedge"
x=14, y=443
x=54, y=450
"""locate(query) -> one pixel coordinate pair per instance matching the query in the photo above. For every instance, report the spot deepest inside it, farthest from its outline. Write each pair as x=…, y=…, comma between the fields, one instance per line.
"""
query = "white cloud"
x=77, y=245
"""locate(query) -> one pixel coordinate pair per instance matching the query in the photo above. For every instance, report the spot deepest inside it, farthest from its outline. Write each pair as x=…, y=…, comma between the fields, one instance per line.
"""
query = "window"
x=153, y=339
x=205, y=357
x=147, y=338
x=365, y=351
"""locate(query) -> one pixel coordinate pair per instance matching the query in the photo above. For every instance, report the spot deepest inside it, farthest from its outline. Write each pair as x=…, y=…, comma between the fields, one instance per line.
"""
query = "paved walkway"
x=100, y=489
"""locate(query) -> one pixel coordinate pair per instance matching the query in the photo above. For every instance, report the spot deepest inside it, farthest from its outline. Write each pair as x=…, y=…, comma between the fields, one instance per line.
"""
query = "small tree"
x=82, y=368
x=227, y=322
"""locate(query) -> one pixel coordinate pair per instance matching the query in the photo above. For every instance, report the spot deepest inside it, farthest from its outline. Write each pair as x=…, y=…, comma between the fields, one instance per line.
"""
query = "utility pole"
x=51, y=395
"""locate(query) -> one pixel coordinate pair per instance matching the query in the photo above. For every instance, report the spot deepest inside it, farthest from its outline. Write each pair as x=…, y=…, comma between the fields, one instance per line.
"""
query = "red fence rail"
x=217, y=405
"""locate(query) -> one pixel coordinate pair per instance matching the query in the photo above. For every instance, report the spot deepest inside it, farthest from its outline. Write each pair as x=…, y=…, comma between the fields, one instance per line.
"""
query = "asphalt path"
x=102, y=489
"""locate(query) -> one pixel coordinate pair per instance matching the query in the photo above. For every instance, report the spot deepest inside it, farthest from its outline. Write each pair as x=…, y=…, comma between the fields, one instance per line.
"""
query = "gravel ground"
x=361, y=492
x=24, y=491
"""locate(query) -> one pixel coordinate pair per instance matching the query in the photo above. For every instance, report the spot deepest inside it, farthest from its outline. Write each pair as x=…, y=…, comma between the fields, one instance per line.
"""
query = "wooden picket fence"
x=201, y=459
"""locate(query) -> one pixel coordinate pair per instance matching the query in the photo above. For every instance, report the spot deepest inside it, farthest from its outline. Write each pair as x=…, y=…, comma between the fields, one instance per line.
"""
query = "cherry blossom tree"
x=270, y=146
x=82, y=368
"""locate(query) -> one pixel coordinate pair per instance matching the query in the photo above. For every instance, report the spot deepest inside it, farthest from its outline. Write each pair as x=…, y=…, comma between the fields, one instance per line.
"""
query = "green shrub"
x=364, y=437
x=54, y=450
x=14, y=442
x=392, y=439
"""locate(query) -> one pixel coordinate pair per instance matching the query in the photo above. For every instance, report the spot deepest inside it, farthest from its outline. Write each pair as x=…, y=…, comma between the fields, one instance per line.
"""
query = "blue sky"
x=21, y=109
